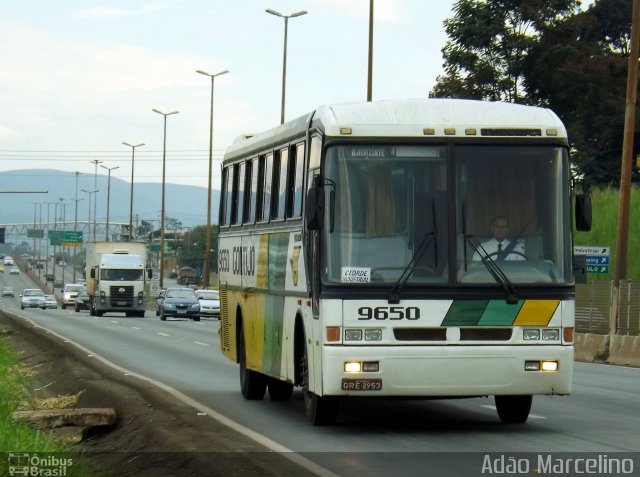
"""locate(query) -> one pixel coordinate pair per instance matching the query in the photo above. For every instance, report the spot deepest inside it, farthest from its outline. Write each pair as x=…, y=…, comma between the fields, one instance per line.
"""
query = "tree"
x=578, y=69
x=489, y=42
x=144, y=229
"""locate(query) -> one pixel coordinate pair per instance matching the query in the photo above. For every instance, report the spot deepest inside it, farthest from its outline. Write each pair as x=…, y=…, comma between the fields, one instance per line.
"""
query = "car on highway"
x=50, y=302
x=14, y=271
x=82, y=300
x=8, y=260
x=70, y=293
x=8, y=291
x=1, y=269
x=32, y=298
x=181, y=303
x=209, y=302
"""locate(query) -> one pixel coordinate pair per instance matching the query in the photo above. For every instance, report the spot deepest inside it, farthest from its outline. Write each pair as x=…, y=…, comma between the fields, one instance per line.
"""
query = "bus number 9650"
x=389, y=313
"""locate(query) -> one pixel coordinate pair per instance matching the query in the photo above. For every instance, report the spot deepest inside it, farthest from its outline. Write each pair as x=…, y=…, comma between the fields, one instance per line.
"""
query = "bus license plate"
x=362, y=384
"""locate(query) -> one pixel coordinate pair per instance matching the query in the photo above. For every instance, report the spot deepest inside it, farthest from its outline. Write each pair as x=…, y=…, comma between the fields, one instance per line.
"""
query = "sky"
x=79, y=77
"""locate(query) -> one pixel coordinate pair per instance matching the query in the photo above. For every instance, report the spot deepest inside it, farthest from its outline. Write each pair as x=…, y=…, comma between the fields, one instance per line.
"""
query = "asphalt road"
x=371, y=437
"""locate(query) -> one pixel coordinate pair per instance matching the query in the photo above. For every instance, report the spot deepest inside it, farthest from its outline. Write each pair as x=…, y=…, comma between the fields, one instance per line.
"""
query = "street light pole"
x=164, y=163
x=89, y=216
x=106, y=236
x=75, y=227
x=133, y=158
x=95, y=186
x=284, y=57
x=207, y=252
x=370, y=62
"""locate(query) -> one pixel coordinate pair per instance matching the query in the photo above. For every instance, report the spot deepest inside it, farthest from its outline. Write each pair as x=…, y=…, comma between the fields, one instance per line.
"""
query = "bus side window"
x=241, y=179
x=296, y=178
x=267, y=187
x=252, y=174
x=225, y=199
x=280, y=184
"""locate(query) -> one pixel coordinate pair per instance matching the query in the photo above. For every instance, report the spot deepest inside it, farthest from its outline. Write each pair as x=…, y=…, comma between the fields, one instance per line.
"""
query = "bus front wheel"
x=253, y=385
x=321, y=411
x=513, y=409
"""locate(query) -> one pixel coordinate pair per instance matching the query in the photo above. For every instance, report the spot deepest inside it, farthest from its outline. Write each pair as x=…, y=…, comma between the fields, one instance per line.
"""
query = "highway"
x=370, y=437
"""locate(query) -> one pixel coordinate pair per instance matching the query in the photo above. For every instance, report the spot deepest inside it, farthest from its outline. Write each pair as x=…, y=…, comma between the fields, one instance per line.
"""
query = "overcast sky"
x=79, y=77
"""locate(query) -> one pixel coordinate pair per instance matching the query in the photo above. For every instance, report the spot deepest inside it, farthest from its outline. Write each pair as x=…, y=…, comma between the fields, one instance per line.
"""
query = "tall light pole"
x=370, y=62
x=164, y=164
x=95, y=186
x=133, y=159
x=207, y=252
x=106, y=234
x=89, y=217
x=284, y=57
x=75, y=227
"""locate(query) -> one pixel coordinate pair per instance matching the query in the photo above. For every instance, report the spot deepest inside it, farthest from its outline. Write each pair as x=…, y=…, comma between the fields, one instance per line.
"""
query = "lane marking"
x=261, y=439
x=163, y=334
x=201, y=344
x=531, y=416
x=136, y=327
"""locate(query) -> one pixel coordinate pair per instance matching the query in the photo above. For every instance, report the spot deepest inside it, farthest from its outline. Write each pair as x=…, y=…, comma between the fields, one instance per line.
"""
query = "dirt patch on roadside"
x=155, y=434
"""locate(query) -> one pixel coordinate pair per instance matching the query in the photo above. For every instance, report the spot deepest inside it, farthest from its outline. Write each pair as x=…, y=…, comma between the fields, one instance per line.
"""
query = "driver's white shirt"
x=491, y=247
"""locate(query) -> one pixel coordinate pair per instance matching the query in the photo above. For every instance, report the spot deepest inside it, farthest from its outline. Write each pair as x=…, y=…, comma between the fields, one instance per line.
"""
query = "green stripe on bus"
x=465, y=313
x=500, y=313
x=278, y=247
x=273, y=333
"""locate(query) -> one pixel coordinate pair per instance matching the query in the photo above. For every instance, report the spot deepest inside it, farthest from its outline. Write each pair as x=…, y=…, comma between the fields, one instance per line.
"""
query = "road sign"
x=591, y=250
x=72, y=238
x=597, y=260
x=597, y=268
x=35, y=233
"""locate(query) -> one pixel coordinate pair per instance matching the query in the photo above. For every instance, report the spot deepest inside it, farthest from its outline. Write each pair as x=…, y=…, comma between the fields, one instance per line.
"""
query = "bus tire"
x=513, y=409
x=321, y=411
x=253, y=385
x=279, y=390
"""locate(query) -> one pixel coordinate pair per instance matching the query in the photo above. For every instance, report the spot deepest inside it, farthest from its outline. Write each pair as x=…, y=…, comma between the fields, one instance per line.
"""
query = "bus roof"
x=414, y=118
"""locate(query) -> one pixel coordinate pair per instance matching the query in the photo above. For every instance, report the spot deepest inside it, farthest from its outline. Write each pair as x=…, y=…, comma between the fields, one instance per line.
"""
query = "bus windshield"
x=388, y=216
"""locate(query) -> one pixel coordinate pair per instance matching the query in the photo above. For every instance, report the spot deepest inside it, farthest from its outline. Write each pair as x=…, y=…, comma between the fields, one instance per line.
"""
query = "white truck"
x=116, y=274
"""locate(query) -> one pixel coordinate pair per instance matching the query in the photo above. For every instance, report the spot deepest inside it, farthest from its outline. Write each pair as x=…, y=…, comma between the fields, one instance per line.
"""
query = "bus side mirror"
x=583, y=212
x=314, y=208
x=92, y=274
x=149, y=273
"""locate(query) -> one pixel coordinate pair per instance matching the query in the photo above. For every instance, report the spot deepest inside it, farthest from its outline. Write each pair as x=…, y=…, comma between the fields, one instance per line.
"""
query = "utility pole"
x=620, y=271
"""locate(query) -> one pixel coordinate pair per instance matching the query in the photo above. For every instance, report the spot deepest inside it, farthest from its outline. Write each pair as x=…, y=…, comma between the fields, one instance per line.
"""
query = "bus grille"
x=121, y=296
x=440, y=334
x=224, y=320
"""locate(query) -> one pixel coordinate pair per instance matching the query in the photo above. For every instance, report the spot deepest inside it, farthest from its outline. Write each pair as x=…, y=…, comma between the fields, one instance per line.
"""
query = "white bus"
x=353, y=258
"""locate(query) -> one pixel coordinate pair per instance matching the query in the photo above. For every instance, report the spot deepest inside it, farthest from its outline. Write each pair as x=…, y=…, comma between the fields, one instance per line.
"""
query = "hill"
x=185, y=203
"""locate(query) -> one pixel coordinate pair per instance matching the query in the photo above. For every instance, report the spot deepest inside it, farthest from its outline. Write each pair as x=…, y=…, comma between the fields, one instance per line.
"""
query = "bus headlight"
x=352, y=335
x=550, y=334
x=373, y=335
x=531, y=334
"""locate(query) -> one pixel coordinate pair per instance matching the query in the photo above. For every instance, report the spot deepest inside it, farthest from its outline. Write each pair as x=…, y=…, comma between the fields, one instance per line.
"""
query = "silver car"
x=32, y=298
x=50, y=301
x=209, y=302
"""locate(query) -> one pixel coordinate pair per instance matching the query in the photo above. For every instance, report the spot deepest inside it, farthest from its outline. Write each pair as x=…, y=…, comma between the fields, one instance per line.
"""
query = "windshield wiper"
x=496, y=272
x=394, y=293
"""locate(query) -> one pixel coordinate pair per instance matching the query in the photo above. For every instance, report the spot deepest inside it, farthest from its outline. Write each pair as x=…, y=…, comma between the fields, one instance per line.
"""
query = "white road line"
x=136, y=327
x=201, y=344
x=531, y=416
x=163, y=334
x=114, y=321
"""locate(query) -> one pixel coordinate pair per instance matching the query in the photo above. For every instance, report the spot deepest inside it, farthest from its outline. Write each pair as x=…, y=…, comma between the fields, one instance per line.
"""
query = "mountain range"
x=188, y=204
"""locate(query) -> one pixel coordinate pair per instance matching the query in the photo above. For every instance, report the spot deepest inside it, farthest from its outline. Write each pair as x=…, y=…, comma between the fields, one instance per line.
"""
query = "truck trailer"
x=116, y=275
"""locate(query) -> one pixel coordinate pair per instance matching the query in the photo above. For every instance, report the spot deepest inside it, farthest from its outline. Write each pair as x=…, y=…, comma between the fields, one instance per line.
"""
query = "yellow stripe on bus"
x=536, y=312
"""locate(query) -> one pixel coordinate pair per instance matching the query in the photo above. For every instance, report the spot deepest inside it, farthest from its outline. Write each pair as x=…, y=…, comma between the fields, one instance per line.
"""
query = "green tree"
x=489, y=41
x=578, y=68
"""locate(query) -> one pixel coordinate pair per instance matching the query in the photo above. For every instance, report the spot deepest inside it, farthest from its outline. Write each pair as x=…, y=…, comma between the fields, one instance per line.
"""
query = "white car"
x=8, y=260
x=14, y=271
x=209, y=302
x=70, y=293
x=50, y=301
x=32, y=298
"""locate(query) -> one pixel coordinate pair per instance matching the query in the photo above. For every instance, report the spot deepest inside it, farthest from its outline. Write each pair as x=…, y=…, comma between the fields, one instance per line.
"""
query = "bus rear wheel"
x=279, y=390
x=253, y=385
x=321, y=411
x=513, y=409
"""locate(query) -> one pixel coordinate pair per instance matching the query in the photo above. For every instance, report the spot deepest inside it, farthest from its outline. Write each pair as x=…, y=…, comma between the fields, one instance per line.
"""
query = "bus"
x=352, y=257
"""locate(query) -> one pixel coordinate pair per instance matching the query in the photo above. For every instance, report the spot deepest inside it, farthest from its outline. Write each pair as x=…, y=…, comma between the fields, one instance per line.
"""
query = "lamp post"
x=75, y=227
x=370, y=62
x=133, y=158
x=89, y=217
x=207, y=252
x=95, y=162
x=284, y=57
x=106, y=234
x=164, y=163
